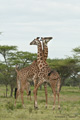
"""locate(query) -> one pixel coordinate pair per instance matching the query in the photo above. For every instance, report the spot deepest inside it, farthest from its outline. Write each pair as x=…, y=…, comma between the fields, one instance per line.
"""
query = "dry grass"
x=70, y=106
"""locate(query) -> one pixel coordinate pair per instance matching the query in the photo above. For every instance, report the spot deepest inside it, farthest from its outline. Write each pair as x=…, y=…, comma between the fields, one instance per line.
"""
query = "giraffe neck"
x=45, y=51
x=40, y=57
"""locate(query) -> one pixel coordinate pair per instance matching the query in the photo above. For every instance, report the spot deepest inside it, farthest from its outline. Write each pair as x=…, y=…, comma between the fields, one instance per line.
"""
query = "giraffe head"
x=45, y=40
x=35, y=41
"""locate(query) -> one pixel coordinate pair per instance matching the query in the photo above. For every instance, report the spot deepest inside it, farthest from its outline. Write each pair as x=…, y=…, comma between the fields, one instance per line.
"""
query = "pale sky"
x=23, y=20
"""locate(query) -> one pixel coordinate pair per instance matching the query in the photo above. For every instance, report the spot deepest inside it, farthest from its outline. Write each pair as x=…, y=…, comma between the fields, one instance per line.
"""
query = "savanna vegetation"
x=69, y=70
x=69, y=100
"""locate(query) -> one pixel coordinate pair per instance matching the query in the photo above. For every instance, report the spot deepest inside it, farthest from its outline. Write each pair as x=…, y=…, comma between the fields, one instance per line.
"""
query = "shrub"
x=9, y=106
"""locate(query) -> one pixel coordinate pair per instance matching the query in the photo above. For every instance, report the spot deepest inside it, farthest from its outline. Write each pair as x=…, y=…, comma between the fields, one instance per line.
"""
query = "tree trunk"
x=11, y=94
x=62, y=83
x=6, y=90
x=79, y=85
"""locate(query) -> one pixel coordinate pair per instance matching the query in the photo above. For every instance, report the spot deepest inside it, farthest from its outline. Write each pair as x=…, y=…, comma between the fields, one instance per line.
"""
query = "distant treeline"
x=69, y=68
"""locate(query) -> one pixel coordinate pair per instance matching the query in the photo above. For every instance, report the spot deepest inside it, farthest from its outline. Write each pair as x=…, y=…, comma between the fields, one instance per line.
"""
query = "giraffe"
x=27, y=85
x=45, y=74
x=26, y=74
x=45, y=41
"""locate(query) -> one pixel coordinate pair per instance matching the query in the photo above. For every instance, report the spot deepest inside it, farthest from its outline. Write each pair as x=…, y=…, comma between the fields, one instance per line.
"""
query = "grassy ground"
x=69, y=100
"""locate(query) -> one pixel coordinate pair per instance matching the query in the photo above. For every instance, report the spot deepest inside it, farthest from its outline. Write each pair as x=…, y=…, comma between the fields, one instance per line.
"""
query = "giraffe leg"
x=45, y=87
x=35, y=84
x=27, y=91
x=54, y=92
x=58, y=88
x=22, y=97
x=35, y=101
x=58, y=101
x=35, y=94
x=54, y=99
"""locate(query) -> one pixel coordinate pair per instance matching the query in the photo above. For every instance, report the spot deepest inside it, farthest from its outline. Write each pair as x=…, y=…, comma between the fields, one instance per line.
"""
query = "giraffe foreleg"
x=45, y=87
x=22, y=97
x=35, y=84
x=35, y=94
x=53, y=86
x=58, y=89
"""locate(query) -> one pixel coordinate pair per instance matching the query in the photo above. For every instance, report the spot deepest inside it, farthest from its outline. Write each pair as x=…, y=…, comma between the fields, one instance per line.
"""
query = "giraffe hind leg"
x=45, y=87
x=53, y=86
x=58, y=89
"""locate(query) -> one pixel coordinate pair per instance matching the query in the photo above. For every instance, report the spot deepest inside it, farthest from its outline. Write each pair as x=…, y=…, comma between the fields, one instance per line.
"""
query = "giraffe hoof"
x=53, y=107
x=35, y=107
x=59, y=107
x=46, y=106
x=23, y=106
x=14, y=105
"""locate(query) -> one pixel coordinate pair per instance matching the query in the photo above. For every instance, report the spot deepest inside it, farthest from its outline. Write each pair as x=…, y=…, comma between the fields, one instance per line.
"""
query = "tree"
x=4, y=76
x=65, y=67
x=77, y=50
x=11, y=58
x=76, y=55
x=4, y=51
x=22, y=58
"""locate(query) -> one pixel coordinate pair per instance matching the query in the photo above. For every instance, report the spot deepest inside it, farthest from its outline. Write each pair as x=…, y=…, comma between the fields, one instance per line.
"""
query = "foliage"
x=21, y=58
x=68, y=68
x=77, y=50
x=7, y=66
x=9, y=106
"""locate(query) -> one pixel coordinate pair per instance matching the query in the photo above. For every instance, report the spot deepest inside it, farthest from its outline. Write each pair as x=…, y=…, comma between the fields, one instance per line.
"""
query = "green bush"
x=9, y=106
x=19, y=106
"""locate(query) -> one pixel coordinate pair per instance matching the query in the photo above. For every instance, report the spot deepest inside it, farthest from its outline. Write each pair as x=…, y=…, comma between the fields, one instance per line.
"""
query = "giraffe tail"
x=15, y=93
x=29, y=92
